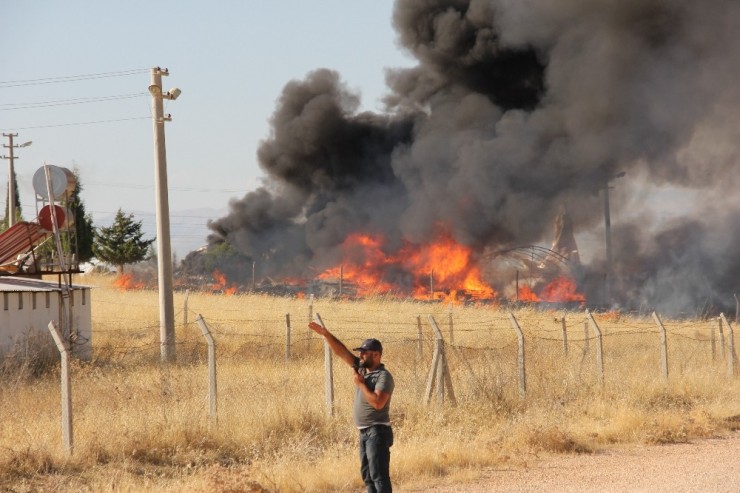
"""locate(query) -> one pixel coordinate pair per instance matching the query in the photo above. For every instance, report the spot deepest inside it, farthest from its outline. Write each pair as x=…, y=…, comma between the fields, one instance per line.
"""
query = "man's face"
x=368, y=359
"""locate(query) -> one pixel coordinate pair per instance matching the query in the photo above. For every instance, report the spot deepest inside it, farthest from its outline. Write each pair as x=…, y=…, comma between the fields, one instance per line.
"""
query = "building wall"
x=25, y=316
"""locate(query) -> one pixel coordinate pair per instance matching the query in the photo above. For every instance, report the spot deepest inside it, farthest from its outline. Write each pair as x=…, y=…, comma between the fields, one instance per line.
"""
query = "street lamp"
x=164, y=250
x=11, y=176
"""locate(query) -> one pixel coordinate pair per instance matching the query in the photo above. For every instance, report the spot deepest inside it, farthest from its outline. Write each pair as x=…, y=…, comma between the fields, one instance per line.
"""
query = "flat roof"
x=18, y=284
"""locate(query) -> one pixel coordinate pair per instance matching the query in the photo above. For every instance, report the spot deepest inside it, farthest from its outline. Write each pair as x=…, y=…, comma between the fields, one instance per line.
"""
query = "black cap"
x=370, y=345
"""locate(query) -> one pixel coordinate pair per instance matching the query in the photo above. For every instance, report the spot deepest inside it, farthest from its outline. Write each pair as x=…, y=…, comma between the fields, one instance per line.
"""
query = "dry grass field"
x=141, y=426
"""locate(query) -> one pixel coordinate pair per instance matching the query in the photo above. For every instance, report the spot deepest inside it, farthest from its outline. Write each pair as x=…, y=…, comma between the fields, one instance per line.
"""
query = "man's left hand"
x=358, y=379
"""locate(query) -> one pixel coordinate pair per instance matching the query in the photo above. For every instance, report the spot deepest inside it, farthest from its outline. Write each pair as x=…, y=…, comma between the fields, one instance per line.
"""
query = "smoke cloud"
x=514, y=108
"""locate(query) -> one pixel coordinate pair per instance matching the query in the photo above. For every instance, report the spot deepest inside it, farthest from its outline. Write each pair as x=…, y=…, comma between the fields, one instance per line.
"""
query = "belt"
x=365, y=430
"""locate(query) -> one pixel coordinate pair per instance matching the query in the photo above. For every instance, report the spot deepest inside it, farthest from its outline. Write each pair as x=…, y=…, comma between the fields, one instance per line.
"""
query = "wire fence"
x=481, y=352
x=262, y=359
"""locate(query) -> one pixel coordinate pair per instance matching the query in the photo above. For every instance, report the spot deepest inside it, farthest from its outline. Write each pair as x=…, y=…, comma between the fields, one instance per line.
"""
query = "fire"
x=560, y=290
x=445, y=264
x=222, y=283
x=127, y=281
x=527, y=295
x=364, y=266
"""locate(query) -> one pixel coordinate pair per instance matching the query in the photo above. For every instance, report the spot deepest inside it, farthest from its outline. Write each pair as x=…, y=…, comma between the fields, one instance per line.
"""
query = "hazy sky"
x=231, y=60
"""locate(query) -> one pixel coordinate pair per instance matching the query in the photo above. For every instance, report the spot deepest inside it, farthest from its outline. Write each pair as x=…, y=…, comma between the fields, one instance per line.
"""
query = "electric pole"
x=164, y=250
x=12, y=199
x=608, y=238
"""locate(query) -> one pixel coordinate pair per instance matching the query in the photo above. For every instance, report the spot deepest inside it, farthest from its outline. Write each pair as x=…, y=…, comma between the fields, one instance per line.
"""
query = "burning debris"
x=513, y=109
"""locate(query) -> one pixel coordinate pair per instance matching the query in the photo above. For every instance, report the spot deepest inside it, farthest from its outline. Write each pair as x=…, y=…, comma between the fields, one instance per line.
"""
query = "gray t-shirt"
x=366, y=415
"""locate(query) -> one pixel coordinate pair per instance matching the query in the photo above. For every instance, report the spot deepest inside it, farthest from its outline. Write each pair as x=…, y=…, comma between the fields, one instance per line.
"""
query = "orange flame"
x=527, y=295
x=450, y=265
x=222, y=283
x=127, y=281
x=560, y=290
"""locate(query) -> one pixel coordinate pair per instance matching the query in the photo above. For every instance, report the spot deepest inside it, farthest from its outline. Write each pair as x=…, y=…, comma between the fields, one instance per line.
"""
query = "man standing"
x=372, y=400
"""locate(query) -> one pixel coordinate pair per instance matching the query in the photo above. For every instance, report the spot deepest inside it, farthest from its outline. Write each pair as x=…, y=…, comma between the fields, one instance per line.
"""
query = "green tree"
x=18, y=212
x=84, y=231
x=122, y=243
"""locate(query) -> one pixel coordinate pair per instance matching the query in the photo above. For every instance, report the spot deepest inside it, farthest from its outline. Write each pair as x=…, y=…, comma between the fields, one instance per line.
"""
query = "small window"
x=6, y=301
x=20, y=301
x=48, y=299
x=33, y=300
x=84, y=297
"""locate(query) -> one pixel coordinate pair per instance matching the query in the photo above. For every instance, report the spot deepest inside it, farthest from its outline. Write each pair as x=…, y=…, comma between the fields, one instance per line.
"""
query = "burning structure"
x=513, y=109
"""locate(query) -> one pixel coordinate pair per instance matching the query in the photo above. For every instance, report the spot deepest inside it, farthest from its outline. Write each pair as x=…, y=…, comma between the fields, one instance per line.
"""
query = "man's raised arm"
x=335, y=344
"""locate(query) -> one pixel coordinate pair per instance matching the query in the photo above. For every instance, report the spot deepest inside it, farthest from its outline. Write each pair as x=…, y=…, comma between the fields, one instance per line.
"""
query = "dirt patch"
x=700, y=466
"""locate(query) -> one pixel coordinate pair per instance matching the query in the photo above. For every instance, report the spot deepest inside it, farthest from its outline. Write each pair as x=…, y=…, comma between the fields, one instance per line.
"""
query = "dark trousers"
x=375, y=458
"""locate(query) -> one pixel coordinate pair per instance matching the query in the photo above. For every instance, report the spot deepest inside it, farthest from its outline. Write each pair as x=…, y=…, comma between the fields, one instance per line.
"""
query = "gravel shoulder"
x=710, y=465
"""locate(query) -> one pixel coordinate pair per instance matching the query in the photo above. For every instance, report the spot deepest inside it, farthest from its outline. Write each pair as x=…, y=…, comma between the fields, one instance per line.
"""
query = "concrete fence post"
x=663, y=346
x=328, y=373
x=713, y=339
x=420, y=341
x=521, y=361
x=730, y=348
x=565, y=335
x=439, y=373
x=287, y=337
x=310, y=319
x=185, y=308
x=66, y=390
x=721, y=338
x=212, y=381
x=599, y=346
x=451, y=325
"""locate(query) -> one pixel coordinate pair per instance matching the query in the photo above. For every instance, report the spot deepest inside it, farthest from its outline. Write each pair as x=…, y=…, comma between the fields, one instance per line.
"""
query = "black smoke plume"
x=514, y=109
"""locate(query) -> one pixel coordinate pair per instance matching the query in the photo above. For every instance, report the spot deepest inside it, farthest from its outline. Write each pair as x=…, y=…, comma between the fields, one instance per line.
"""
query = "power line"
x=66, y=102
x=79, y=123
x=175, y=189
x=70, y=78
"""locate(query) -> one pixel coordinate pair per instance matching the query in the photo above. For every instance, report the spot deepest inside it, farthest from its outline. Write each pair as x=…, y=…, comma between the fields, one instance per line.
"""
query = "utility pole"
x=164, y=250
x=608, y=239
x=12, y=199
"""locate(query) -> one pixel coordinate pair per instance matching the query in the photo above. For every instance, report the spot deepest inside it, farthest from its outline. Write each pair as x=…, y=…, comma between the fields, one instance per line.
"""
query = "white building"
x=28, y=305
